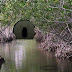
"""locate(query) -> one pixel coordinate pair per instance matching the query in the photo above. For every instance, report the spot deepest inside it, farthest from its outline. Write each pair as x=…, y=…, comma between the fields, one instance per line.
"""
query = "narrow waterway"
x=25, y=56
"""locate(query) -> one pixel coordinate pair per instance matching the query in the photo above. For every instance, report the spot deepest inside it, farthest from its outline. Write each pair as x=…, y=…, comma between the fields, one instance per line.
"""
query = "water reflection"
x=49, y=67
x=64, y=65
x=19, y=55
x=25, y=56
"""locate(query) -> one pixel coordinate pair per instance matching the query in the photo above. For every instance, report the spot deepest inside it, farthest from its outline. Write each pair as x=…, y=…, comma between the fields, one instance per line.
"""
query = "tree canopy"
x=40, y=12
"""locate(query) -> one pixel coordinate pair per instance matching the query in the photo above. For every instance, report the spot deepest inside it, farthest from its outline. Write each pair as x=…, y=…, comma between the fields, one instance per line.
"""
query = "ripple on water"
x=49, y=67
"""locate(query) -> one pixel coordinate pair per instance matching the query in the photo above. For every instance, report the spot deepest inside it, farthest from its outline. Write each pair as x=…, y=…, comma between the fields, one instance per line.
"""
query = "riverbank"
x=4, y=38
x=51, y=42
x=6, y=34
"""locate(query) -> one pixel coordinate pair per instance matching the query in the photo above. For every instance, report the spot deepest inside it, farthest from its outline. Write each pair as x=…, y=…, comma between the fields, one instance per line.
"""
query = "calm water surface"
x=25, y=56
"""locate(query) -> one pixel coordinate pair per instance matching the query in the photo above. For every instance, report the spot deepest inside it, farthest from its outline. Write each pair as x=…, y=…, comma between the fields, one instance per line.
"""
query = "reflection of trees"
x=14, y=54
x=19, y=56
x=64, y=65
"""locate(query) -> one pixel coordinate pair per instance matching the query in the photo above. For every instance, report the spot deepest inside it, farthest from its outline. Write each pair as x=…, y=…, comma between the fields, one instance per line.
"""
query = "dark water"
x=25, y=56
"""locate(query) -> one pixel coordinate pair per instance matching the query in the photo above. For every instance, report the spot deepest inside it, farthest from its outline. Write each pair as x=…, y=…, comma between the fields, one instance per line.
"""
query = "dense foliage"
x=41, y=12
